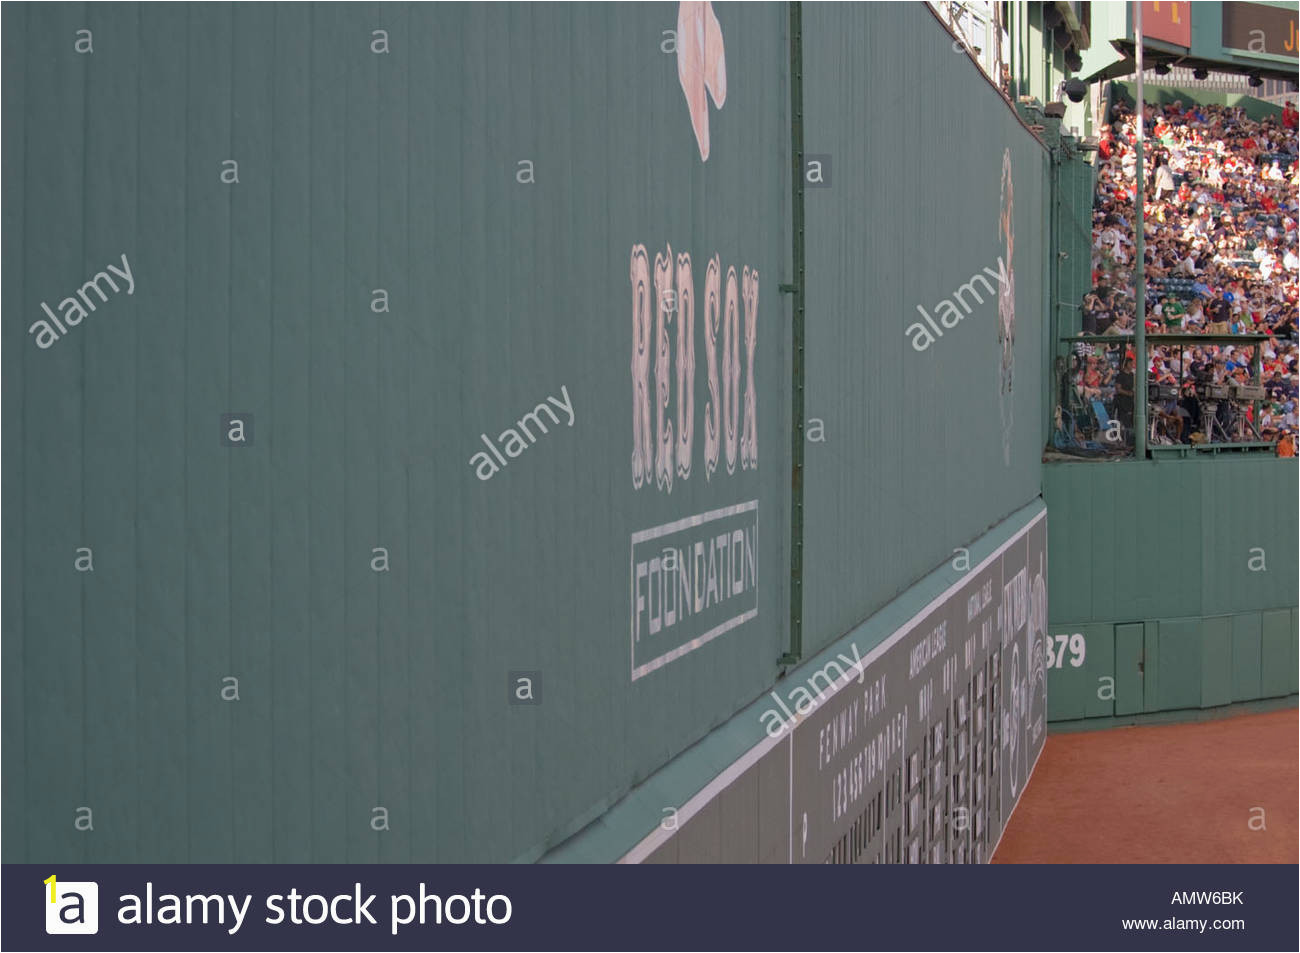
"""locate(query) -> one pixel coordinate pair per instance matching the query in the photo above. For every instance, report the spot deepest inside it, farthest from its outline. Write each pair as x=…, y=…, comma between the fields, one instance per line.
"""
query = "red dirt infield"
x=1162, y=794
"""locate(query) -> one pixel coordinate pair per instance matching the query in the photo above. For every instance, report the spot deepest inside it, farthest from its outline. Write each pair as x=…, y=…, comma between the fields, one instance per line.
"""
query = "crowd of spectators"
x=1220, y=207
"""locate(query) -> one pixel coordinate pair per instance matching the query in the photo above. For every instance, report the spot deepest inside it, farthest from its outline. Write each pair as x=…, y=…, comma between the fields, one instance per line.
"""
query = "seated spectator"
x=1090, y=379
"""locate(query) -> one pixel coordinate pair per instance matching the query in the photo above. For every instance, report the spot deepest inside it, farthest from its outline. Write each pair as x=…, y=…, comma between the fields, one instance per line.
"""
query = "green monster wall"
x=908, y=481
x=370, y=241
x=493, y=172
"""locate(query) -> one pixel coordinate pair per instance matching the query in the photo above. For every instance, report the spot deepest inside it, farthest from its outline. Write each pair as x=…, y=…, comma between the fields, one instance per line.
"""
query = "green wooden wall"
x=359, y=170
x=1174, y=665
x=1256, y=109
x=1171, y=538
x=916, y=138
x=1180, y=576
x=1072, y=207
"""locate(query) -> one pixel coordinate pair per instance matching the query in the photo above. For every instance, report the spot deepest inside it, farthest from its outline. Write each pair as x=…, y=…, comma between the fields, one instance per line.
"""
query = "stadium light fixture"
x=1076, y=89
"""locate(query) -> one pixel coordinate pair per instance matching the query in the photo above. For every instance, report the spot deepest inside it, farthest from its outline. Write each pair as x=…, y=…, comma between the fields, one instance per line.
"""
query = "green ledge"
x=1257, y=706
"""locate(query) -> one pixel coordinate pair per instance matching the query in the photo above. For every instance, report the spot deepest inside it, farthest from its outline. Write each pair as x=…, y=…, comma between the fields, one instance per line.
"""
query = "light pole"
x=1140, y=276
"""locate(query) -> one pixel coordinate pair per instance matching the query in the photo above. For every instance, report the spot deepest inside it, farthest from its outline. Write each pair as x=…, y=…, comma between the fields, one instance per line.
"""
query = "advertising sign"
x=1171, y=22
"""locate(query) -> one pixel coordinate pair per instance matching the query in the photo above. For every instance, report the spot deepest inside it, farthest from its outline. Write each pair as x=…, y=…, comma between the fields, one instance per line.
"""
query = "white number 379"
x=1057, y=646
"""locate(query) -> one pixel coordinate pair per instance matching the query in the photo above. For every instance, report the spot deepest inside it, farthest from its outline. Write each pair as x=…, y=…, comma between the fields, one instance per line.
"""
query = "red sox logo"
x=701, y=66
x=730, y=431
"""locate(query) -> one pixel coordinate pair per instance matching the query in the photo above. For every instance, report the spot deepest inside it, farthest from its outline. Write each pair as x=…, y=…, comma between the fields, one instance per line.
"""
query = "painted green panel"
x=1181, y=648
x=250, y=389
x=1133, y=578
x=1216, y=662
x=160, y=642
x=1151, y=666
x=1076, y=691
x=489, y=211
x=1067, y=564
x=395, y=634
x=1246, y=656
x=1098, y=664
x=208, y=501
x=110, y=369
x=1103, y=525
x=1129, y=663
x=1073, y=208
x=52, y=460
x=1211, y=521
x=288, y=442
x=1295, y=650
x=1256, y=562
x=13, y=338
x=883, y=502
x=1171, y=538
x=1175, y=506
x=364, y=444
x=1277, y=653
x=361, y=171
x=437, y=659
x=334, y=571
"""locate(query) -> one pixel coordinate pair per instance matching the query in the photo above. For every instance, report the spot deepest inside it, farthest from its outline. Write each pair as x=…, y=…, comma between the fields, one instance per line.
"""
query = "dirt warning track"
x=1215, y=792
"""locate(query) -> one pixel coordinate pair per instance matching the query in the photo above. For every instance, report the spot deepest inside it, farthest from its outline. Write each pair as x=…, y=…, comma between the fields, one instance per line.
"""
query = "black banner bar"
x=251, y=907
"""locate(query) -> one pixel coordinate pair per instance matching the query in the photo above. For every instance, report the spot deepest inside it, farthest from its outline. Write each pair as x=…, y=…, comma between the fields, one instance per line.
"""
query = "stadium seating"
x=1240, y=247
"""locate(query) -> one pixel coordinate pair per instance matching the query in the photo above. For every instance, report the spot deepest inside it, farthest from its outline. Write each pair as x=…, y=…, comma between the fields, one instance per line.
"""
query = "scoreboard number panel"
x=931, y=775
